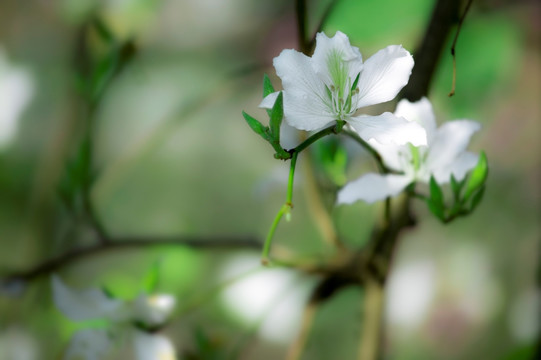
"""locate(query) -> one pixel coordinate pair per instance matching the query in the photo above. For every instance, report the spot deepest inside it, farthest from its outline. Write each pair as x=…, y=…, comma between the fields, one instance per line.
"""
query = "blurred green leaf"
x=477, y=197
x=477, y=177
x=435, y=202
x=457, y=186
x=150, y=281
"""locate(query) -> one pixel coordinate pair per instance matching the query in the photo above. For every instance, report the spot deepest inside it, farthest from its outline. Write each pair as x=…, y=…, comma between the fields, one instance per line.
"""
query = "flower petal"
x=350, y=56
x=389, y=129
x=306, y=106
x=450, y=140
x=373, y=187
x=153, y=309
x=88, y=344
x=83, y=304
x=391, y=154
x=153, y=347
x=383, y=75
x=420, y=112
x=465, y=162
x=269, y=100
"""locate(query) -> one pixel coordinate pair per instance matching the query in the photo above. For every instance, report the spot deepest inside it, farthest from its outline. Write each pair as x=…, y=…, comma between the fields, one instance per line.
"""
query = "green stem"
x=377, y=157
x=284, y=210
x=334, y=129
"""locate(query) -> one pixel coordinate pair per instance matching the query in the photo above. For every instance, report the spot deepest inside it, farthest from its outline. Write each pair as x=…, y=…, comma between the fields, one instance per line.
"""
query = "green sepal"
x=355, y=82
x=267, y=86
x=477, y=177
x=435, y=202
x=257, y=127
x=476, y=198
x=457, y=186
x=276, y=116
x=436, y=209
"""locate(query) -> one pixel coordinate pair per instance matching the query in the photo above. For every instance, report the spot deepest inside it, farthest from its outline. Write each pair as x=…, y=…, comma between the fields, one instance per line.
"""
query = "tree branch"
x=444, y=16
x=54, y=264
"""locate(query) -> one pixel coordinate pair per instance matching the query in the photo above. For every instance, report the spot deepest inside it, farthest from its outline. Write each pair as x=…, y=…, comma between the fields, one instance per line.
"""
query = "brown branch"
x=300, y=10
x=454, y=45
x=62, y=260
x=428, y=54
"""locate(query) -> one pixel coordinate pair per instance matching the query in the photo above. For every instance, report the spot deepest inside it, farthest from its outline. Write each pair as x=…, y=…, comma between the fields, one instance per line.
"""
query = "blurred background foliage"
x=173, y=156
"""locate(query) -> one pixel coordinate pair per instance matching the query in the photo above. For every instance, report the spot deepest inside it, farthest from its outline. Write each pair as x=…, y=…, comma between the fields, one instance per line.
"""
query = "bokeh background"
x=173, y=156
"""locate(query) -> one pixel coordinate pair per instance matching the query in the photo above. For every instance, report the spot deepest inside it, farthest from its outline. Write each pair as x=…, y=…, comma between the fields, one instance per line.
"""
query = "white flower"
x=16, y=90
x=319, y=90
x=444, y=155
x=96, y=344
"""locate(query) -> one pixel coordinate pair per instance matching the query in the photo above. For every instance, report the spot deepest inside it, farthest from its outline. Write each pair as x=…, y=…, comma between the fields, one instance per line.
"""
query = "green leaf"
x=256, y=126
x=457, y=186
x=436, y=209
x=477, y=177
x=276, y=116
x=477, y=197
x=150, y=281
x=267, y=86
x=435, y=202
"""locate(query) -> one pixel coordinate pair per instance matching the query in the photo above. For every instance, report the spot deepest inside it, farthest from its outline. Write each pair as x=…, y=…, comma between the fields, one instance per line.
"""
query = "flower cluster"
x=323, y=94
x=127, y=321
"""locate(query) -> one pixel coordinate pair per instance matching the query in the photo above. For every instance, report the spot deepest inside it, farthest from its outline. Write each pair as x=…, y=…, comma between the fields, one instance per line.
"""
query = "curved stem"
x=284, y=210
x=377, y=157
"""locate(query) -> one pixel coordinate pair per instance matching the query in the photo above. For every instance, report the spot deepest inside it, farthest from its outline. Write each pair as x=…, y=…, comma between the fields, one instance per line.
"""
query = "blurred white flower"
x=335, y=82
x=524, y=321
x=445, y=154
x=411, y=291
x=16, y=89
x=17, y=344
x=95, y=344
x=269, y=294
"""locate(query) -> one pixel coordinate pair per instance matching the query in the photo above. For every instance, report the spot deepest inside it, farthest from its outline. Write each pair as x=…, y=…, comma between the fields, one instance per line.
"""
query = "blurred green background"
x=174, y=157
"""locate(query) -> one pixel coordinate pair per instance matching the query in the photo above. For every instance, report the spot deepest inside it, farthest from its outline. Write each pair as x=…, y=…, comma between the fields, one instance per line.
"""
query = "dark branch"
x=427, y=55
x=51, y=265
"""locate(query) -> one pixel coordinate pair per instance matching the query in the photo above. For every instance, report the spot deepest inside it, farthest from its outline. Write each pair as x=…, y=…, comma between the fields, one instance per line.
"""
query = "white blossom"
x=444, y=154
x=97, y=344
x=335, y=82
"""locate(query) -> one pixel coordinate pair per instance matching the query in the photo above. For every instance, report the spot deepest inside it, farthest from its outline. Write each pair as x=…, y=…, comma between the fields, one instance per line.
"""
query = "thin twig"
x=297, y=347
x=453, y=54
x=54, y=264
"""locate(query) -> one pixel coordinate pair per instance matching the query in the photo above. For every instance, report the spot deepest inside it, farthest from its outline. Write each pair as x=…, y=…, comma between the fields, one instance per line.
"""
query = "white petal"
x=269, y=100
x=373, y=187
x=88, y=344
x=383, y=75
x=289, y=136
x=83, y=304
x=306, y=106
x=153, y=347
x=390, y=154
x=451, y=139
x=350, y=55
x=153, y=309
x=389, y=129
x=465, y=162
x=420, y=112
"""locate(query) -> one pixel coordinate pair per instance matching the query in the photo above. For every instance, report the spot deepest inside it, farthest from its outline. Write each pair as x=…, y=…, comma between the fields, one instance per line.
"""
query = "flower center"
x=341, y=93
